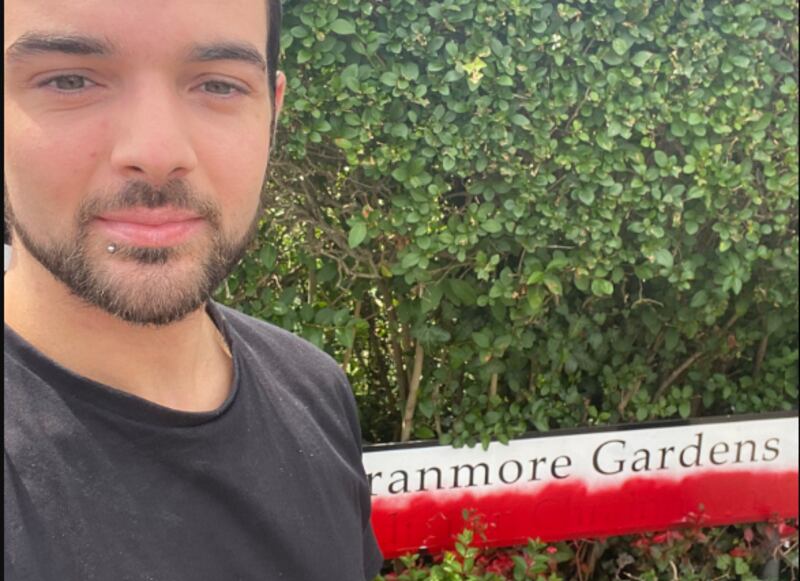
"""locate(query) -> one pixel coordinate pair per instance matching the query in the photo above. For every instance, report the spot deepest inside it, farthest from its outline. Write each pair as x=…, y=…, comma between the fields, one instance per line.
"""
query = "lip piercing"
x=112, y=248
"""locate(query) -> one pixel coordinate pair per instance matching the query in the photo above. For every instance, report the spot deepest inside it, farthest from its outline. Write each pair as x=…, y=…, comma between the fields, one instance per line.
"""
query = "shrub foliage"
x=525, y=214
x=519, y=214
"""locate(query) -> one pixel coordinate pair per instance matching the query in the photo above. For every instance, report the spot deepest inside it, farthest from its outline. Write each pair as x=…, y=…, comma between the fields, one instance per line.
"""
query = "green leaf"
x=303, y=55
x=535, y=277
x=426, y=407
x=535, y=300
x=740, y=61
x=664, y=258
x=602, y=287
x=740, y=566
x=671, y=338
x=676, y=191
x=357, y=234
x=424, y=433
x=520, y=567
x=521, y=120
x=389, y=78
x=699, y=299
x=410, y=71
x=349, y=76
x=410, y=259
x=492, y=417
x=661, y=158
x=268, y=255
x=492, y=226
x=481, y=339
x=343, y=143
x=695, y=118
x=641, y=57
x=553, y=284
x=342, y=26
x=782, y=66
x=463, y=291
x=400, y=173
x=695, y=192
x=684, y=409
x=620, y=46
x=586, y=196
x=431, y=298
x=541, y=423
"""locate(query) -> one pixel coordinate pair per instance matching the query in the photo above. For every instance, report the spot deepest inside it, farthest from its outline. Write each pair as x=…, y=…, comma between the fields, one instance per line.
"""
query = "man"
x=151, y=434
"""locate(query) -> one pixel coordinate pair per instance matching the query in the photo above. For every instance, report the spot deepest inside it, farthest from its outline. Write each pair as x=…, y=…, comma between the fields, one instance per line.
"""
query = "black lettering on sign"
x=740, y=445
x=402, y=481
x=620, y=464
x=423, y=472
x=518, y=469
x=560, y=462
x=714, y=452
x=535, y=467
x=771, y=449
x=664, y=456
x=692, y=447
x=641, y=460
x=372, y=477
x=457, y=470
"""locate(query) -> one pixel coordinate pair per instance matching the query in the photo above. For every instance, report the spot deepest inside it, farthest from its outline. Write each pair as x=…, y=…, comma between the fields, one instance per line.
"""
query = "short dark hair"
x=273, y=41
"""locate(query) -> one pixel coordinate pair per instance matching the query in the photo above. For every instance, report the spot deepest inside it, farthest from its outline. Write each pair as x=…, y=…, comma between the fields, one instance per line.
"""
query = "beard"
x=161, y=288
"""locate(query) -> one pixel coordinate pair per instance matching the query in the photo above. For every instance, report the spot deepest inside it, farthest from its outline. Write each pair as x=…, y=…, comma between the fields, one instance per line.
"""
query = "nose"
x=152, y=138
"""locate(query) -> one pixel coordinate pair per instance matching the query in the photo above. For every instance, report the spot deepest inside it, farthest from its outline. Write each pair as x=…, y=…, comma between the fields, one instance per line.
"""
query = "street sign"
x=586, y=483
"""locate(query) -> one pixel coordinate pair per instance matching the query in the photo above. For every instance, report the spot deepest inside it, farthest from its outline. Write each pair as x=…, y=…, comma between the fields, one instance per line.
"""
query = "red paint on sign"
x=568, y=510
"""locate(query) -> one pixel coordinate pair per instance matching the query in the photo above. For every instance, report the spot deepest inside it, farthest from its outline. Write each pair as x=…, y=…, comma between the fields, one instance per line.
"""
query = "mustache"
x=175, y=193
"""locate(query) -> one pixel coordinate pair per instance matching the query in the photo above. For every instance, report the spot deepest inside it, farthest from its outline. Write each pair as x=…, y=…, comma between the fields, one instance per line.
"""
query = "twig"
x=437, y=417
x=656, y=346
x=676, y=374
x=394, y=342
x=629, y=395
x=762, y=351
x=574, y=112
x=413, y=392
x=349, y=353
x=312, y=272
x=598, y=548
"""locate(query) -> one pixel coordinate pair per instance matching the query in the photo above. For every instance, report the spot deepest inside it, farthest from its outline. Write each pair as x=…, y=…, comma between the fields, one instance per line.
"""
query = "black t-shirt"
x=102, y=485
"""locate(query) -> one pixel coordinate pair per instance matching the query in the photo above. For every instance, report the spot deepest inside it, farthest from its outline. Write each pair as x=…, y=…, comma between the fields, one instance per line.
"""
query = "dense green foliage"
x=523, y=214
x=565, y=214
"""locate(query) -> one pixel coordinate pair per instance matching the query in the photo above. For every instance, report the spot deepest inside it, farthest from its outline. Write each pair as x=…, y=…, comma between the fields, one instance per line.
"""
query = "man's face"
x=136, y=144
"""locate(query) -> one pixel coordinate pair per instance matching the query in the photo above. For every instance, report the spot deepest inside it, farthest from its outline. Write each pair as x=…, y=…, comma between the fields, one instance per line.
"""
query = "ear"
x=280, y=89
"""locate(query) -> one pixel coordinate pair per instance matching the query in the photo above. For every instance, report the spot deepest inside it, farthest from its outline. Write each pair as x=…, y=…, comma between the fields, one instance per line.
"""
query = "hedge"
x=522, y=214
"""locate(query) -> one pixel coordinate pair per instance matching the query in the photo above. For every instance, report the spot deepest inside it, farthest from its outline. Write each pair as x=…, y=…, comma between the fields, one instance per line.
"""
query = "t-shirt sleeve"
x=373, y=559
x=372, y=556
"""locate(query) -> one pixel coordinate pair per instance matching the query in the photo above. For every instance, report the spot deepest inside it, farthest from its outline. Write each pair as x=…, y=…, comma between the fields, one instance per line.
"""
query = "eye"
x=68, y=83
x=222, y=89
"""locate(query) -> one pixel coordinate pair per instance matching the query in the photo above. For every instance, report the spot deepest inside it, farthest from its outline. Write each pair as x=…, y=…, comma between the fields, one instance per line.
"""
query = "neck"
x=181, y=365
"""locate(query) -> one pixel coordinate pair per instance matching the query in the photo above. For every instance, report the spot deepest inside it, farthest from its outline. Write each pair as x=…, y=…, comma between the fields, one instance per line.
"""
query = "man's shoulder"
x=268, y=339
x=301, y=372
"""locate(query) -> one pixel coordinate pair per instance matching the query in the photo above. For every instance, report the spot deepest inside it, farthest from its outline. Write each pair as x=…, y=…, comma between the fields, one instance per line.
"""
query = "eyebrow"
x=35, y=43
x=230, y=51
